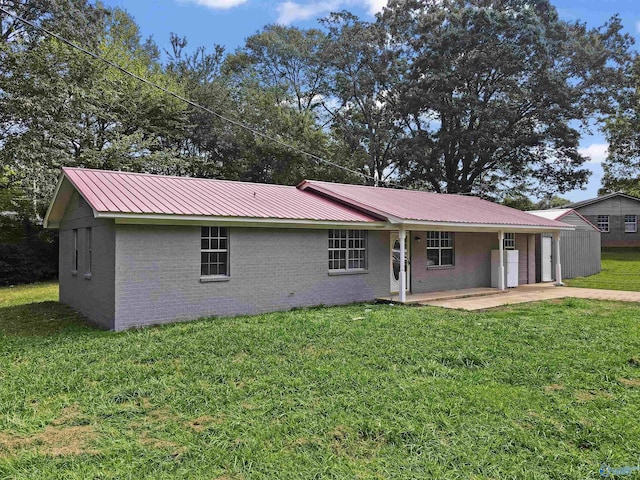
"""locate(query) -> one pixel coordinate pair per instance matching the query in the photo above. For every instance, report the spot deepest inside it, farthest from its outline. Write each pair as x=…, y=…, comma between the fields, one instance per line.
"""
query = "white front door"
x=545, y=259
x=395, y=263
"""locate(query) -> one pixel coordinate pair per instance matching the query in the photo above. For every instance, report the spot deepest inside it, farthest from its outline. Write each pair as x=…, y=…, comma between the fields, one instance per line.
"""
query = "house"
x=140, y=249
x=616, y=215
x=579, y=248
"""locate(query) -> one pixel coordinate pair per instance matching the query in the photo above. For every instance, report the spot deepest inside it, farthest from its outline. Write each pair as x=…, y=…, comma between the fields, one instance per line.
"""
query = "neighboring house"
x=579, y=248
x=138, y=249
x=616, y=215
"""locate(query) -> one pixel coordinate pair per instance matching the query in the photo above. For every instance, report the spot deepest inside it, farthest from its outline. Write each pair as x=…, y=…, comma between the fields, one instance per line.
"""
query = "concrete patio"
x=483, y=298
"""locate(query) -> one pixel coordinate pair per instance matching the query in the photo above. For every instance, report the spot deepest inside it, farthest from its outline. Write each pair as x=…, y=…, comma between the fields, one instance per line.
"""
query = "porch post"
x=501, y=269
x=402, y=285
x=556, y=239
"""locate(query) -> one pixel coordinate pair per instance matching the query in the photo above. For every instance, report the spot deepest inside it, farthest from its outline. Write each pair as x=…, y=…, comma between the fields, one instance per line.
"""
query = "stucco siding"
x=472, y=267
x=158, y=274
x=92, y=295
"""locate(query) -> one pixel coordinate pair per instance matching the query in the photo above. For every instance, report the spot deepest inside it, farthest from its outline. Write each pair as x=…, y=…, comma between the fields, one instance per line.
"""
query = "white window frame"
x=631, y=226
x=441, y=241
x=218, y=235
x=602, y=222
x=347, y=250
x=89, y=245
x=509, y=241
x=74, y=261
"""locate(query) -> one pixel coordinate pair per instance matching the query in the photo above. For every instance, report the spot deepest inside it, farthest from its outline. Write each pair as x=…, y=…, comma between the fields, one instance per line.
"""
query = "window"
x=603, y=223
x=89, y=250
x=630, y=223
x=509, y=241
x=214, y=251
x=75, y=249
x=347, y=250
x=439, y=248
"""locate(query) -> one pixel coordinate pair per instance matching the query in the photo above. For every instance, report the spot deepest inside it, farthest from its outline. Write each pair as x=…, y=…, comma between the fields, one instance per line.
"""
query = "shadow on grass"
x=41, y=319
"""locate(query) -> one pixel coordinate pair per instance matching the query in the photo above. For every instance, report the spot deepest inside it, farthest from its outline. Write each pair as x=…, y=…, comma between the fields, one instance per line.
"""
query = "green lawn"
x=620, y=271
x=549, y=390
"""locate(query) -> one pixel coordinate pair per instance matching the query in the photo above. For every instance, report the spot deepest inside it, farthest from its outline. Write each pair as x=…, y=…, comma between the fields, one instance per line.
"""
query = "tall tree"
x=279, y=78
x=622, y=166
x=287, y=62
x=60, y=107
x=364, y=80
x=495, y=92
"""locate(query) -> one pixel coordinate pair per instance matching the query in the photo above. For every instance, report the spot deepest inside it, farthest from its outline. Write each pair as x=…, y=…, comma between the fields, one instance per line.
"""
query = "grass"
x=620, y=271
x=547, y=390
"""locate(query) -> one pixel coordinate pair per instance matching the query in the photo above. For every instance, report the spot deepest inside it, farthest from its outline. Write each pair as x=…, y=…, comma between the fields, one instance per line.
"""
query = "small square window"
x=603, y=223
x=509, y=241
x=630, y=223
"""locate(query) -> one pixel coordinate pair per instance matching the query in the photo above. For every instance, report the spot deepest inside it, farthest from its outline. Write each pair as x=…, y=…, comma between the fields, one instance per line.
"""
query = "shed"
x=579, y=248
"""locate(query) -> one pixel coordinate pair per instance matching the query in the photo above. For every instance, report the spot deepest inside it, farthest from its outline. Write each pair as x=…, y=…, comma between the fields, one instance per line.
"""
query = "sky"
x=230, y=22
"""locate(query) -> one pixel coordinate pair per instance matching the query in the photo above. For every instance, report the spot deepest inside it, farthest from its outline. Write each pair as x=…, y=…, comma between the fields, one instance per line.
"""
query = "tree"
x=622, y=166
x=364, y=79
x=60, y=107
x=494, y=92
x=287, y=62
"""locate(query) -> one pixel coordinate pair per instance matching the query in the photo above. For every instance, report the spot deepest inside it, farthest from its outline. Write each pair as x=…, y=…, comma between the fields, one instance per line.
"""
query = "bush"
x=32, y=258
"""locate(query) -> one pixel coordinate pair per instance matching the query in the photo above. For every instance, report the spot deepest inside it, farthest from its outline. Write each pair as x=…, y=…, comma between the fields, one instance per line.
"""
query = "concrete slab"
x=533, y=293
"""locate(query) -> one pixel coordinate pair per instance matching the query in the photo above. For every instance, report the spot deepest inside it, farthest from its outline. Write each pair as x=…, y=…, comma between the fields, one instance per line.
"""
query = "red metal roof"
x=122, y=192
x=427, y=206
x=127, y=193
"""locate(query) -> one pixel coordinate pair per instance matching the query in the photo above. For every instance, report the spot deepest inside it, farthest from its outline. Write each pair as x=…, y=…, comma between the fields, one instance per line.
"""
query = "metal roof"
x=552, y=213
x=147, y=198
x=413, y=205
x=559, y=213
x=135, y=193
x=589, y=201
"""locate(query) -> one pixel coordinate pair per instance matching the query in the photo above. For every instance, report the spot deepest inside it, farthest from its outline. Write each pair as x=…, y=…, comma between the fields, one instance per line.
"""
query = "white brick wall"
x=158, y=274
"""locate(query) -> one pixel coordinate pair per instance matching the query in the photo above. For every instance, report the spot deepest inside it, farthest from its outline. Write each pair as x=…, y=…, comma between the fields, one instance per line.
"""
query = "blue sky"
x=229, y=22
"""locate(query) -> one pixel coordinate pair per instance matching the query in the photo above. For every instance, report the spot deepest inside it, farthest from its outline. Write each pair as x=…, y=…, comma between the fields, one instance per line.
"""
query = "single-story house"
x=579, y=249
x=616, y=215
x=140, y=249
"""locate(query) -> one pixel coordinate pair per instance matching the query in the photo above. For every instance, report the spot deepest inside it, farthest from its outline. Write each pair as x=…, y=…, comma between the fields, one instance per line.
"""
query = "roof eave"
x=174, y=219
x=486, y=227
x=60, y=200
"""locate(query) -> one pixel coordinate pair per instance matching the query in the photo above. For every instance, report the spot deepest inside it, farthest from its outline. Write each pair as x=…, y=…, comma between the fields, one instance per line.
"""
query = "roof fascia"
x=591, y=201
x=167, y=219
x=46, y=222
x=484, y=227
x=62, y=195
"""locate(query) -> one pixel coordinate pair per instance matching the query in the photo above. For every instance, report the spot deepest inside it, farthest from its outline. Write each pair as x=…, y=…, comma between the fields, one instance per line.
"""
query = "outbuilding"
x=579, y=248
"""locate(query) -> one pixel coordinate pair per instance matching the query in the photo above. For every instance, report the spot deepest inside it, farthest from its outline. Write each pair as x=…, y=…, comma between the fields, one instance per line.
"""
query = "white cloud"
x=217, y=4
x=375, y=6
x=290, y=12
x=597, y=152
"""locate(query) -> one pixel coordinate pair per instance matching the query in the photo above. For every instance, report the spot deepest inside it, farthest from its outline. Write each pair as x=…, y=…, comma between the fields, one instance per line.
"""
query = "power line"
x=185, y=99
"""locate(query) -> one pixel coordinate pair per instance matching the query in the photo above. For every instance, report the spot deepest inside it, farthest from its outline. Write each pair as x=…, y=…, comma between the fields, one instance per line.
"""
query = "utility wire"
x=184, y=99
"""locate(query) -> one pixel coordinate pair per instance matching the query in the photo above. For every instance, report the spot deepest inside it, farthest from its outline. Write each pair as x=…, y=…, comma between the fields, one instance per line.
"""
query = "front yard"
x=549, y=390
